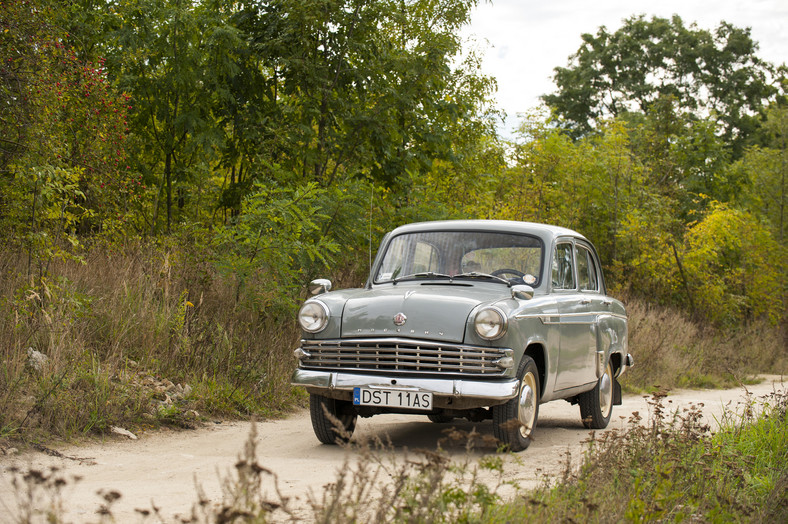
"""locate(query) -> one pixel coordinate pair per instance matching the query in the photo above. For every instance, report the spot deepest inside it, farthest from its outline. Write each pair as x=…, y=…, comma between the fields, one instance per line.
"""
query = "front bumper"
x=494, y=391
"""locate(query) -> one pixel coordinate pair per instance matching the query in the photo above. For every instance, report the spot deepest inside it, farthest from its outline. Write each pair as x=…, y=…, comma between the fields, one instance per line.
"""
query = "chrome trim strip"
x=457, y=388
x=548, y=318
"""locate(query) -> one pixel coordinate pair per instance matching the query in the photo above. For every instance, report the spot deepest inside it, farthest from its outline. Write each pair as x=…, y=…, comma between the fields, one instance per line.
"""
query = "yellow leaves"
x=734, y=265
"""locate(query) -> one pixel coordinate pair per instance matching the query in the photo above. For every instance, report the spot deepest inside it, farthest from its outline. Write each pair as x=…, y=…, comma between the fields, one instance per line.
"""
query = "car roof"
x=544, y=231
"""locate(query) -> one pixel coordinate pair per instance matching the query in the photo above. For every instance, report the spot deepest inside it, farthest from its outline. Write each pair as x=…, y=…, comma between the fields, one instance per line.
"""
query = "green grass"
x=673, y=469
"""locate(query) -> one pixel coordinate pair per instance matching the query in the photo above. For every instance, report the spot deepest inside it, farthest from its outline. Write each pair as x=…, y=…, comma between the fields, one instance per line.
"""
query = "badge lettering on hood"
x=400, y=319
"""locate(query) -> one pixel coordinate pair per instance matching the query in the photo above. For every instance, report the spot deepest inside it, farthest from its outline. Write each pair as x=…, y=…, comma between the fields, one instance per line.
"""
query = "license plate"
x=392, y=398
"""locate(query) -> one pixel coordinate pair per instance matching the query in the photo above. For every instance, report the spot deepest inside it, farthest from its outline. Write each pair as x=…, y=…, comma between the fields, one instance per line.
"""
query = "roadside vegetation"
x=173, y=173
x=668, y=467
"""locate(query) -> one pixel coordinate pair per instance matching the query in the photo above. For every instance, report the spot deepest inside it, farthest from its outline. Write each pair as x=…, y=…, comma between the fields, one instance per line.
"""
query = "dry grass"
x=671, y=351
x=117, y=340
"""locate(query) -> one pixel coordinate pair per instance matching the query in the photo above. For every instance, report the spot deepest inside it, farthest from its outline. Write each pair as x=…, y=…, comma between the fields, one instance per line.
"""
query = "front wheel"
x=596, y=405
x=333, y=420
x=515, y=421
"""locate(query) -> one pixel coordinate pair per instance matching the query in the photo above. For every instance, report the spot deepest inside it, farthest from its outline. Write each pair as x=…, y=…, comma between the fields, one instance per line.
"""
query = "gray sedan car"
x=473, y=319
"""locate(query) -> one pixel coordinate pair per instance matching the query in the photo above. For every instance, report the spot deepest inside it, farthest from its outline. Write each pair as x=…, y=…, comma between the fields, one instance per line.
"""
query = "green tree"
x=364, y=88
x=158, y=55
x=763, y=172
x=714, y=74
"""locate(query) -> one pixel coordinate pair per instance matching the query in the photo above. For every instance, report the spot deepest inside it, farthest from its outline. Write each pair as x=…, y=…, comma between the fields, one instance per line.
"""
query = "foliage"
x=276, y=238
x=711, y=74
x=763, y=174
x=733, y=267
x=637, y=188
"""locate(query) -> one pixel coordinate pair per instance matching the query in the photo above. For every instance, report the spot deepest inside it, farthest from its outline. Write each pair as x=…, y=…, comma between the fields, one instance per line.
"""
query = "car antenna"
x=371, y=193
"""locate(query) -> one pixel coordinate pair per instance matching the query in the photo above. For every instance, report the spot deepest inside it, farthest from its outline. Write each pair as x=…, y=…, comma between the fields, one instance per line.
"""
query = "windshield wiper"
x=475, y=274
x=427, y=274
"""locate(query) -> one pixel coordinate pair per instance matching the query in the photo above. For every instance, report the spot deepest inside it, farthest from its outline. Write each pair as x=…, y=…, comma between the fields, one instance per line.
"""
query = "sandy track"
x=162, y=467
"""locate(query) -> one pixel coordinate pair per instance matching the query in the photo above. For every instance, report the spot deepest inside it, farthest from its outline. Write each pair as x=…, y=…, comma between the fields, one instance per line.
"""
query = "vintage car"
x=475, y=319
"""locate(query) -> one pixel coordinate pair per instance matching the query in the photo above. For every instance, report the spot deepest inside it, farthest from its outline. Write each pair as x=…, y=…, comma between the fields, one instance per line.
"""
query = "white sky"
x=523, y=40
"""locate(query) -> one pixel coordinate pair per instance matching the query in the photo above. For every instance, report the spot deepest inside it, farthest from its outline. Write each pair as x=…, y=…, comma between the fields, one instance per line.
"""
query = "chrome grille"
x=396, y=355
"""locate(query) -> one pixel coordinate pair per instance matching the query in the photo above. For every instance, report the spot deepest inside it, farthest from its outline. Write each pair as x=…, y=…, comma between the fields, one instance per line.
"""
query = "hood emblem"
x=400, y=319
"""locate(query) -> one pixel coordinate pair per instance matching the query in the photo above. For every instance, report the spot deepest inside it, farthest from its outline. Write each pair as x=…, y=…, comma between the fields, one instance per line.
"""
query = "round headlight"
x=490, y=323
x=313, y=316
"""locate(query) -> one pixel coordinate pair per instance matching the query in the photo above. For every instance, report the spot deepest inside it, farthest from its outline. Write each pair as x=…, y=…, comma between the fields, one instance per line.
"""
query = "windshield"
x=515, y=259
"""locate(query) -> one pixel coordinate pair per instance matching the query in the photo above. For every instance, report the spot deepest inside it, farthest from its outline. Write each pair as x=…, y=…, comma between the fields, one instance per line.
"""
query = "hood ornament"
x=400, y=319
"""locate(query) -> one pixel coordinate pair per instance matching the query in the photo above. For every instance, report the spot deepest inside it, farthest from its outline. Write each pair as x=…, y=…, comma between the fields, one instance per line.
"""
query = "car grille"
x=401, y=356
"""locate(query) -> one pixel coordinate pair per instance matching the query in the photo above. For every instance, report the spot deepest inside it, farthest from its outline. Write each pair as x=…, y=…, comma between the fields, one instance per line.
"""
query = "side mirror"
x=319, y=286
x=522, y=292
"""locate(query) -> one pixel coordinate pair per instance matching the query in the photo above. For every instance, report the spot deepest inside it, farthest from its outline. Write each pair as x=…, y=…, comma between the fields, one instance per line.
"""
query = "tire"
x=440, y=419
x=322, y=410
x=596, y=405
x=515, y=421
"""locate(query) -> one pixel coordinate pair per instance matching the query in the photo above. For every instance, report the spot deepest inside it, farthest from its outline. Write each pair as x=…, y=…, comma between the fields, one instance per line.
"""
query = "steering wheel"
x=508, y=271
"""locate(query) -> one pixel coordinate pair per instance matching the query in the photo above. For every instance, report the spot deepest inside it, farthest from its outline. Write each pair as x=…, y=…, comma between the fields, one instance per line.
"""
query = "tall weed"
x=672, y=351
x=107, y=342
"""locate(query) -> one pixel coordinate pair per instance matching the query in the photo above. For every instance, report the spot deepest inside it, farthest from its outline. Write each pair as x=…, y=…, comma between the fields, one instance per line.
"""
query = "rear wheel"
x=515, y=421
x=333, y=420
x=596, y=405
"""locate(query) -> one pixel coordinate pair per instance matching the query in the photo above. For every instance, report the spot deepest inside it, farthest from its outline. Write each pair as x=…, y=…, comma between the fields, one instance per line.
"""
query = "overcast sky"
x=526, y=39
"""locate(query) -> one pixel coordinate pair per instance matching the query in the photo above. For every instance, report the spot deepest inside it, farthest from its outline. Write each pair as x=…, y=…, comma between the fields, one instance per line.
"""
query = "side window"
x=586, y=270
x=563, y=272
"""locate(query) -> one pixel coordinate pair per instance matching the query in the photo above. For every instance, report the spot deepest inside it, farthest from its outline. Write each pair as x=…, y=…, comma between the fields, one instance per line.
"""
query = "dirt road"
x=163, y=467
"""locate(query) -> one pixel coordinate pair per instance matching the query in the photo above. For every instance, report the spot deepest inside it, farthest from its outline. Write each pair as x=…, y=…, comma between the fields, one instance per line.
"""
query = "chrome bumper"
x=498, y=390
x=626, y=364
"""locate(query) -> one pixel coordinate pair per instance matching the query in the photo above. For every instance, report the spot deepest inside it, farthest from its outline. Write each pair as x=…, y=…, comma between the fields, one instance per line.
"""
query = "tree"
x=63, y=141
x=156, y=52
x=763, y=170
x=363, y=88
x=734, y=267
x=708, y=74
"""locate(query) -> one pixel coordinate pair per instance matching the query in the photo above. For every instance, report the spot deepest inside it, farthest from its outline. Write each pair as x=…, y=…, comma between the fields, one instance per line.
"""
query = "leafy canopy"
x=707, y=73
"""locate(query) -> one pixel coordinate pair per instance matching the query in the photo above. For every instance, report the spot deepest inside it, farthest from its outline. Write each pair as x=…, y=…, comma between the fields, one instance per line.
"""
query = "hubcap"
x=526, y=409
x=606, y=392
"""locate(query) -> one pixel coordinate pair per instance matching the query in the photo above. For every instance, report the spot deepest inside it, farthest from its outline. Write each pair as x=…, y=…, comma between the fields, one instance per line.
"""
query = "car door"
x=591, y=287
x=577, y=344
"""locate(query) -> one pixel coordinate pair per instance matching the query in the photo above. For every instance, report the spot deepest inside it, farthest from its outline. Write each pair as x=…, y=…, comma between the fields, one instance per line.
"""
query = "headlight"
x=313, y=316
x=490, y=323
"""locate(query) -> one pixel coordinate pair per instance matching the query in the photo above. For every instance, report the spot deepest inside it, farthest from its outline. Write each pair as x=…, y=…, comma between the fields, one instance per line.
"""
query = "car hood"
x=431, y=311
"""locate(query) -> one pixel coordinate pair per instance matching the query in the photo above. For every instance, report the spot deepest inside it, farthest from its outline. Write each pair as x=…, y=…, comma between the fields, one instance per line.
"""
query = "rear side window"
x=586, y=270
